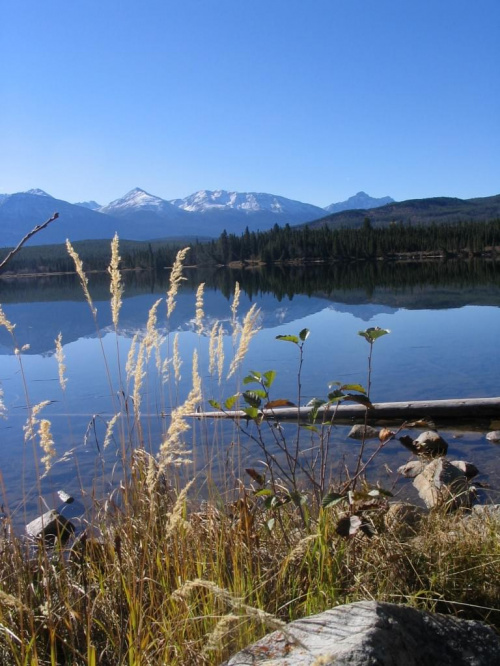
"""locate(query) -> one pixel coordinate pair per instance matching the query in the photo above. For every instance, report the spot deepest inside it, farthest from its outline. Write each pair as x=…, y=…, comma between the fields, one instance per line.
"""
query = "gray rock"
x=50, y=525
x=443, y=484
x=431, y=444
x=493, y=436
x=412, y=468
x=370, y=633
x=357, y=431
x=467, y=468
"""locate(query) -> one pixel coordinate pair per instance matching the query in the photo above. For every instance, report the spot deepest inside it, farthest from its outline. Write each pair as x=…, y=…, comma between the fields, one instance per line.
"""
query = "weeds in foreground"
x=173, y=573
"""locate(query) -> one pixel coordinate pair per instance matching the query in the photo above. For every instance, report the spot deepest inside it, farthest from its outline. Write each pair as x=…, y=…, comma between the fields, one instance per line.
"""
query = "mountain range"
x=142, y=216
x=205, y=214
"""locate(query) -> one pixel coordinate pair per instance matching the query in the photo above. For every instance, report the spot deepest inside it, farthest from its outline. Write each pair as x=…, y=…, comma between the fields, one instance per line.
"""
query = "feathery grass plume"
x=60, y=362
x=234, y=310
x=151, y=338
x=139, y=374
x=3, y=410
x=172, y=448
x=130, y=364
x=32, y=421
x=109, y=429
x=81, y=274
x=47, y=444
x=199, y=309
x=5, y=322
x=175, y=518
x=116, y=286
x=298, y=552
x=217, y=635
x=250, y=328
x=220, y=352
x=175, y=280
x=184, y=592
x=212, y=347
x=176, y=359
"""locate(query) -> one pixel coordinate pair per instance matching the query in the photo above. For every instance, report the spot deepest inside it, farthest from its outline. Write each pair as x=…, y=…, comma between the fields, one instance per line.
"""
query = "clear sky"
x=309, y=99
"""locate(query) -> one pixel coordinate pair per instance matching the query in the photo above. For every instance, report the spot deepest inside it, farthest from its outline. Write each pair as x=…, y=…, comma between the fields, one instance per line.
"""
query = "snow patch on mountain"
x=248, y=202
x=37, y=192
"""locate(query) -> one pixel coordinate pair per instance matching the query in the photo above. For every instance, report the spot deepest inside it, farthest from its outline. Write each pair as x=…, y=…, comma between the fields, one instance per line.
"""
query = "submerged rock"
x=428, y=444
x=50, y=526
x=359, y=431
x=381, y=634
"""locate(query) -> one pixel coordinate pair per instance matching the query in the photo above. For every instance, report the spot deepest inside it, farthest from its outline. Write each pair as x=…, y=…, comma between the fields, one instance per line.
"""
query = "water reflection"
x=444, y=320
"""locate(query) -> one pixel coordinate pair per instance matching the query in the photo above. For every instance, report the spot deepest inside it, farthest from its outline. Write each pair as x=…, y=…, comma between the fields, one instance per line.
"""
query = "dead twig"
x=31, y=233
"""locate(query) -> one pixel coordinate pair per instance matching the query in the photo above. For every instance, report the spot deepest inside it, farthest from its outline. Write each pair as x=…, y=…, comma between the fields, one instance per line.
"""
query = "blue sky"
x=309, y=99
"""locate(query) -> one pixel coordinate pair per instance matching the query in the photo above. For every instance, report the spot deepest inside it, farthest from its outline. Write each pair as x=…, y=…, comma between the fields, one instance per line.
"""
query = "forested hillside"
x=280, y=244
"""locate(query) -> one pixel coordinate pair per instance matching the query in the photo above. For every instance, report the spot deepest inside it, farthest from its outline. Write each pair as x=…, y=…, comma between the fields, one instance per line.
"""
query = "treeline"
x=278, y=245
x=287, y=244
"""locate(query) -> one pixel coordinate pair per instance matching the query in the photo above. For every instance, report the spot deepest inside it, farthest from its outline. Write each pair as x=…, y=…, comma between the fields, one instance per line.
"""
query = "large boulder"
x=442, y=484
x=371, y=633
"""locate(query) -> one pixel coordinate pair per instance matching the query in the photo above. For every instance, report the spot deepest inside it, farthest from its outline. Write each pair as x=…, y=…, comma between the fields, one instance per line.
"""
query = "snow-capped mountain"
x=208, y=213
x=139, y=201
x=140, y=215
x=360, y=201
x=248, y=202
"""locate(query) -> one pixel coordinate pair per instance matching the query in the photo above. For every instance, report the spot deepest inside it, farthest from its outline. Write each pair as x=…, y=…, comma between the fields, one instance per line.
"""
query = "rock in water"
x=358, y=431
x=49, y=526
x=493, y=436
x=377, y=634
x=442, y=483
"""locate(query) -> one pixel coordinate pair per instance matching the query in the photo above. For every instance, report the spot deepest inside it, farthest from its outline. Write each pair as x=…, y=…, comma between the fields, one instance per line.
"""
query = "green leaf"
x=315, y=403
x=252, y=398
x=310, y=427
x=288, y=338
x=353, y=387
x=253, y=377
x=304, y=334
x=360, y=399
x=332, y=384
x=215, y=404
x=269, y=378
x=252, y=412
x=372, y=334
x=229, y=404
x=331, y=499
x=335, y=396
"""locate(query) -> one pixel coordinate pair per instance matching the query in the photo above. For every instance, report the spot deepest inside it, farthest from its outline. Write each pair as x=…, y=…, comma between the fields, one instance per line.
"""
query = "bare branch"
x=31, y=233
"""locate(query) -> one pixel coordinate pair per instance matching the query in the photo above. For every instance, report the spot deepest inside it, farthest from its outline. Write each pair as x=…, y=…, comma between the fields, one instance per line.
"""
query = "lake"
x=444, y=321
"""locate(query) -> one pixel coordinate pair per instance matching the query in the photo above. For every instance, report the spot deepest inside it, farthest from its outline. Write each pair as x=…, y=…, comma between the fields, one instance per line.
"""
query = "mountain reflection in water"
x=444, y=320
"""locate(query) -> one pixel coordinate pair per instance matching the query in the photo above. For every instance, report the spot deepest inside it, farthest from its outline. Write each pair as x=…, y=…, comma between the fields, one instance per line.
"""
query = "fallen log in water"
x=465, y=408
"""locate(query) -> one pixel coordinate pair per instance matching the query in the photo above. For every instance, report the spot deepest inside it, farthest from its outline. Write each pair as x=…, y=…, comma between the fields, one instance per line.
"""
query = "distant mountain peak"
x=37, y=192
x=360, y=201
x=91, y=205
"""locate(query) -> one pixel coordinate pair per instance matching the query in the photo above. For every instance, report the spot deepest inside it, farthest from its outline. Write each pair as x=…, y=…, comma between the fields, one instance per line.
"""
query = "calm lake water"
x=444, y=326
